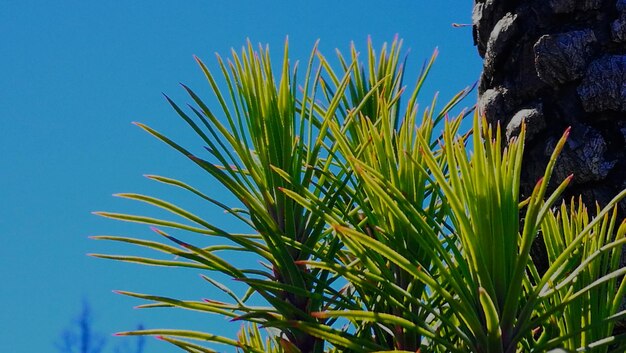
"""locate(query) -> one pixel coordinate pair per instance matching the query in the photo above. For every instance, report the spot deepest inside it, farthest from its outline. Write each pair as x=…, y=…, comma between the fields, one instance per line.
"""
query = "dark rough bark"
x=554, y=64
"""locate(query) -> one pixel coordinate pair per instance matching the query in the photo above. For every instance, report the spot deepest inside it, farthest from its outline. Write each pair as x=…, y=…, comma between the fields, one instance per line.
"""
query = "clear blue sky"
x=74, y=74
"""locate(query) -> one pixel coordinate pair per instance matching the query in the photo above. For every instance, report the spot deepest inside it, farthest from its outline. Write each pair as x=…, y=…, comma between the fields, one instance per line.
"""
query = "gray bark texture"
x=554, y=64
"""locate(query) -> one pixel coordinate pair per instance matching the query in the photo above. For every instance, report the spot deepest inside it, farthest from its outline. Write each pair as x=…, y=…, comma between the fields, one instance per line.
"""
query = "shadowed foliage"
x=81, y=337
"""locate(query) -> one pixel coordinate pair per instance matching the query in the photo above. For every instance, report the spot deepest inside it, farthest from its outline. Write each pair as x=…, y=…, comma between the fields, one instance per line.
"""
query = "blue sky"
x=75, y=74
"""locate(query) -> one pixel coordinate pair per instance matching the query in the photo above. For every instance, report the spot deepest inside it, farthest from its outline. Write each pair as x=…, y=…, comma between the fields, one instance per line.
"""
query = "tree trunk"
x=554, y=64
